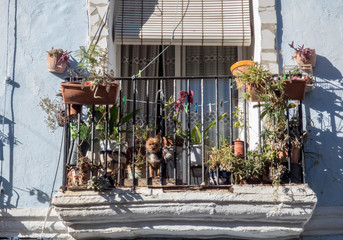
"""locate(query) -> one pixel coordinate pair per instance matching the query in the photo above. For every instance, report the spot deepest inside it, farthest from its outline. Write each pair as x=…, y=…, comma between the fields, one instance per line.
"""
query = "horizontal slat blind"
x=205, y=22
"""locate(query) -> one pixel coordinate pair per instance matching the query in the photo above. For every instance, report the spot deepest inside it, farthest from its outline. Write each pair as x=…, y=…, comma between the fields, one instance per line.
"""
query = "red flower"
x=191, y=97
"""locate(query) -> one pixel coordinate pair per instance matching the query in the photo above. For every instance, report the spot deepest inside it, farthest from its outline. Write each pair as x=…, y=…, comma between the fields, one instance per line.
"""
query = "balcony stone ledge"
x=247, y=211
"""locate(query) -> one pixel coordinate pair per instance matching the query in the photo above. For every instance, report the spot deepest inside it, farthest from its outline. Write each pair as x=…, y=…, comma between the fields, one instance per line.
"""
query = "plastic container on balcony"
x=240, y=66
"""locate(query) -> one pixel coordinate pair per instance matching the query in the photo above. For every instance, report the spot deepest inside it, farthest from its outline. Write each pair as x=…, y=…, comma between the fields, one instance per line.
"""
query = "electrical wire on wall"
x=3, y=136
x=53, y=186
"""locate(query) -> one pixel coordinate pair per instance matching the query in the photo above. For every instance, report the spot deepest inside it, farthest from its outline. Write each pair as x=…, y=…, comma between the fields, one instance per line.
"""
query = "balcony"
x=182, y=196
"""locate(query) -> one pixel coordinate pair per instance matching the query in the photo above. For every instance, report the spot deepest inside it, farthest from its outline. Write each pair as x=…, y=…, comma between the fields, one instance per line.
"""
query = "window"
x=212, y=35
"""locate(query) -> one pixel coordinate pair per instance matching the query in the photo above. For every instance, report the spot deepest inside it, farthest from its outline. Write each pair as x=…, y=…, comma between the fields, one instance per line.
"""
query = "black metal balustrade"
x=155, y=114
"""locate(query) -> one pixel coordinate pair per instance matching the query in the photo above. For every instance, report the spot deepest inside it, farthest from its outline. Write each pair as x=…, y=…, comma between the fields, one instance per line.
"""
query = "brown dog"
x=154, y=155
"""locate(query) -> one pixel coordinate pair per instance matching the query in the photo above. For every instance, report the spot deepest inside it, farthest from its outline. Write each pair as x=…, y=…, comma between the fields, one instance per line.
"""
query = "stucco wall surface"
x=29, y=151
x=318, y=24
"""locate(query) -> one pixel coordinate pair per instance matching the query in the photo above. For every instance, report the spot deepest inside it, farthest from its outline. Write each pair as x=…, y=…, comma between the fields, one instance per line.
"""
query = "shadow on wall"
x=7, y=140
x=279, y=33
x=324, y=158
x=326, y=70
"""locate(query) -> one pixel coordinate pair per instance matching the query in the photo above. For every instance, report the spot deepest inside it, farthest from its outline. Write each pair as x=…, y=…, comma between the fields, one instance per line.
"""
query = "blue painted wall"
x=29, y=151
x=318, y=24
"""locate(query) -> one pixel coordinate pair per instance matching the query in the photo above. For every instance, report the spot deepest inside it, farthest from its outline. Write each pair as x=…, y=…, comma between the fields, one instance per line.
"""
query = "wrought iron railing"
x=119, y=164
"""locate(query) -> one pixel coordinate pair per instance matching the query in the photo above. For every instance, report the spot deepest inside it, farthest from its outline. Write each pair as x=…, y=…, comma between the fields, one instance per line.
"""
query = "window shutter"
x=204, y=22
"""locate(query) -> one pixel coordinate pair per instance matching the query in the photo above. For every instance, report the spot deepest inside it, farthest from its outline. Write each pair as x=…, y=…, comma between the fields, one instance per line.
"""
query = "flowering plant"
x=62, y=56
x=304, y=55
x=179, y=103
x=174, y=108
x=93, y=68
x=306, y=52
x=178, y=106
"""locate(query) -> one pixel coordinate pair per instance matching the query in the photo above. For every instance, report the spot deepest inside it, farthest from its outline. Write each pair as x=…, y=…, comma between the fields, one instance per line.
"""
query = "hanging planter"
x=303, y=55
x=75, y=93
x=57, y=60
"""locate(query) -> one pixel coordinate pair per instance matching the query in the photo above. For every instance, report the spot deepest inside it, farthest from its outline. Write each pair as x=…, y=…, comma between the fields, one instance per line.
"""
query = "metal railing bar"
x=171, y=78
x=289, y=146
x=162, y=126
x=147, y=127
x=174, y=138
x=217, y=126
x=245, y=125
x=92, y=135
x=202, y=134
x=120, y=135
x=66, y=148
x=188, y=165
x=134, y=131
x=106, y=139
x=301, y=127
x=230, y=120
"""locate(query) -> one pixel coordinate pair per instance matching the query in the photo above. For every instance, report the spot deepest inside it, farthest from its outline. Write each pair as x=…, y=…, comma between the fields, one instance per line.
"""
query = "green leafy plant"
x=115, y=126
x=270, y=92
x=239, y=120
x=98, y=183
x=93, y=67
x=241, y=169
x=195, y=133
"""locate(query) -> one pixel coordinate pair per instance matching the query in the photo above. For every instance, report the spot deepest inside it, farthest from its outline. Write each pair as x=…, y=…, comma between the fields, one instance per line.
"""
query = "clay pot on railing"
x=239, y=148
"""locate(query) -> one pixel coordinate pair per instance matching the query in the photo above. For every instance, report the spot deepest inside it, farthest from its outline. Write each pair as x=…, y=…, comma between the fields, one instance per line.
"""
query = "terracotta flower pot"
x=295, y=154
x=239, y=148
x=73, y=109
x=309, y=58
x=241, y=66
x=54, y=65
x=73, y=93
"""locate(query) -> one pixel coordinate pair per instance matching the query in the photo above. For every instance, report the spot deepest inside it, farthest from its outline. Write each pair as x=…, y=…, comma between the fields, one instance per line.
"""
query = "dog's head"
x=153, y=145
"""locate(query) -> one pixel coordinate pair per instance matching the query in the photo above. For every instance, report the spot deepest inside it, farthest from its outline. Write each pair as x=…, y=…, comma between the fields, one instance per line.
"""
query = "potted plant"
x=240, y=67
x=254, y=78
x=57, y=60
x=239, y=124
x=80, y=175
x=242, y=170
x=304, y=55
x=295, y=84
x=142, y=133
x=261, y=85
x=94, y=83
x=117, y=146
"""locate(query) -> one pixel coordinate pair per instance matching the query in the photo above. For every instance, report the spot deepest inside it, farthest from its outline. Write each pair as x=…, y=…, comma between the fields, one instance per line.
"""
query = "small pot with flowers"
x=57, y=60
x=304, y=55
